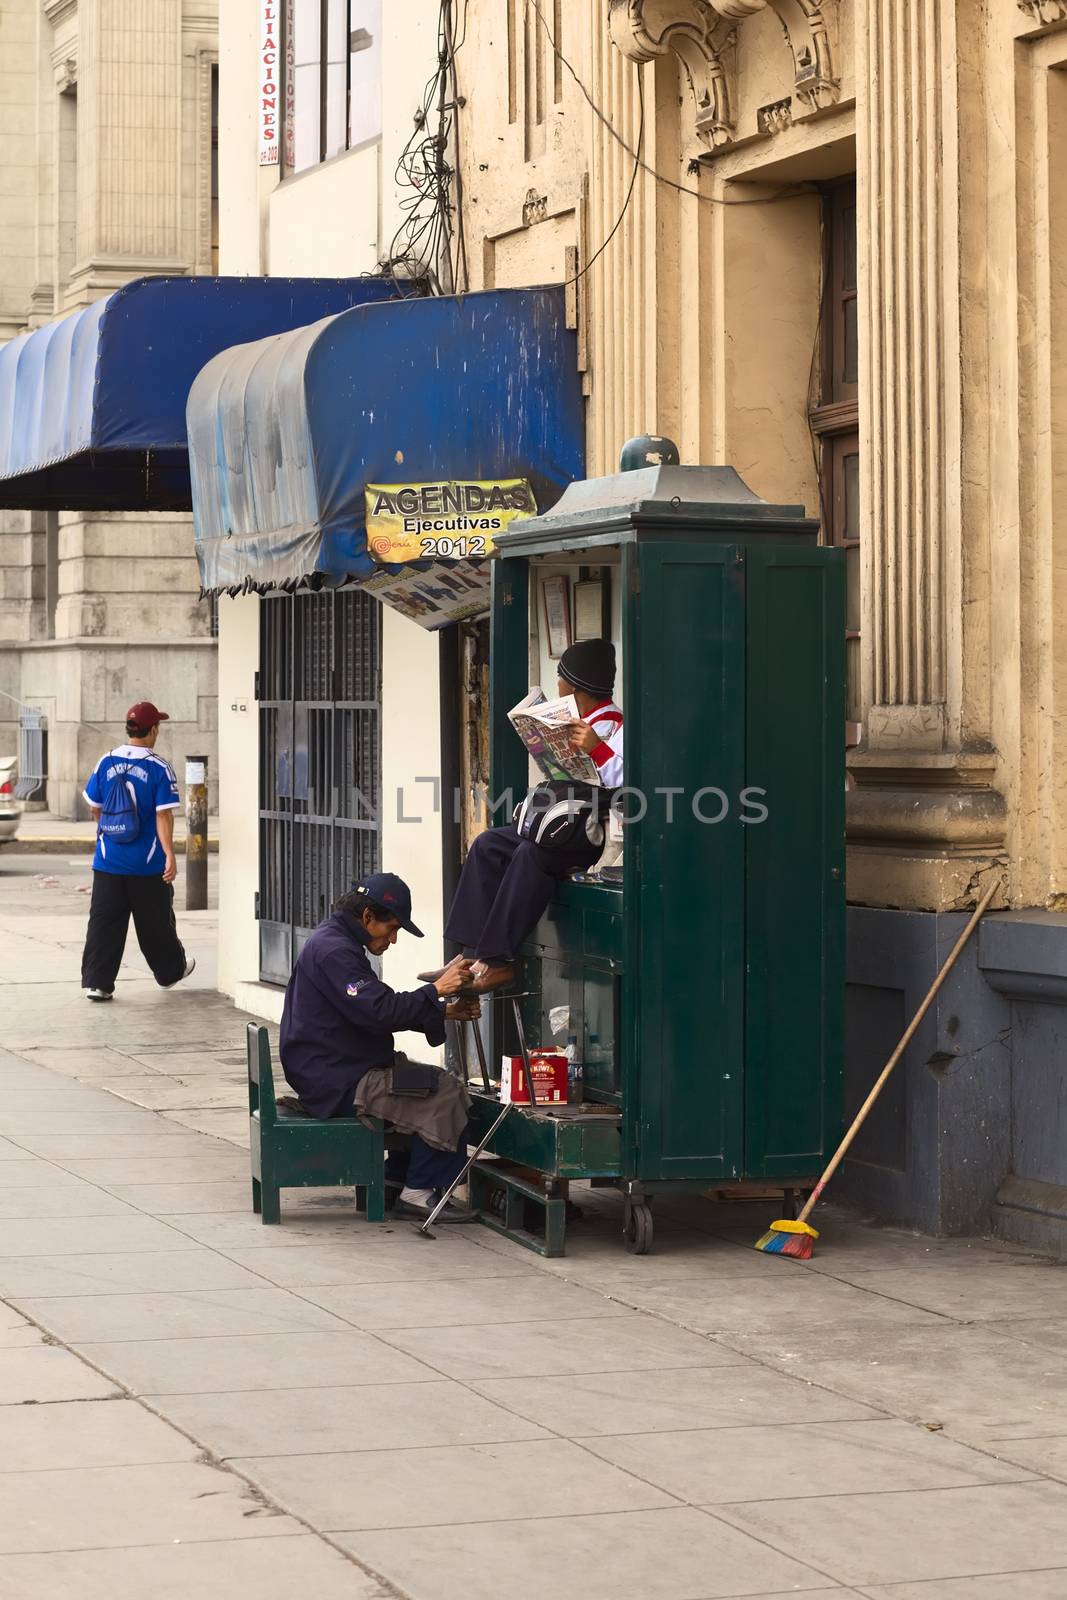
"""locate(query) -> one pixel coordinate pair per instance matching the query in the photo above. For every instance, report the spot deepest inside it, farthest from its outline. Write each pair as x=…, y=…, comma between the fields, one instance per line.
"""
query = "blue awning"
x=285, y=434
x=92, y=407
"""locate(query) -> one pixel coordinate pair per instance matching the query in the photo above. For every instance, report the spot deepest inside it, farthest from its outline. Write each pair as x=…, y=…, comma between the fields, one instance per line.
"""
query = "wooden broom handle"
x=909, y=1033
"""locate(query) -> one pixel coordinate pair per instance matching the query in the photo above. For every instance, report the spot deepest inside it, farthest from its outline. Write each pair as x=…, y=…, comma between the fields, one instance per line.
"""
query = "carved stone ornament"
x=703, y=35
x=1045, y=10
x=698, y=36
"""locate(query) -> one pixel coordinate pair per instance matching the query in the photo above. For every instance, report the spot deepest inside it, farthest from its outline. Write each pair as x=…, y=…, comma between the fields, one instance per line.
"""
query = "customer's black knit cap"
x=590, y=665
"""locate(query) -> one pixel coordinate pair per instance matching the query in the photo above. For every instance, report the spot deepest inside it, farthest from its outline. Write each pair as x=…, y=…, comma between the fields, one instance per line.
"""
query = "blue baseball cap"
x=391, y=895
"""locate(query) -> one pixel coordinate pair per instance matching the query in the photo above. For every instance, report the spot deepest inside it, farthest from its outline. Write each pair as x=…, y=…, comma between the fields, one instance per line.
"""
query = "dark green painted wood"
x=795, y=860
x=684, y=876
x=293, y=1152
x=564, y=1148
x=509, y=668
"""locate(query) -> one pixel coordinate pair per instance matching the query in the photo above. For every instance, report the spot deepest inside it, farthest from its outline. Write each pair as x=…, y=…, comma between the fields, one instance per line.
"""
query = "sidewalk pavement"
x=194, y=1403
x=41, y=832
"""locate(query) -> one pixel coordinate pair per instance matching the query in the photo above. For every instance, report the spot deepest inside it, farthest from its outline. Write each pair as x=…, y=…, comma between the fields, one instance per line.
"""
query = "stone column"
x=129, y=143
x=925, y=817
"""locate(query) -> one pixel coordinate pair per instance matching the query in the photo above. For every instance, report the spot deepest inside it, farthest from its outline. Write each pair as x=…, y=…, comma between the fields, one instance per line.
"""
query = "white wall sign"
x=270, y=84
x=195, y=772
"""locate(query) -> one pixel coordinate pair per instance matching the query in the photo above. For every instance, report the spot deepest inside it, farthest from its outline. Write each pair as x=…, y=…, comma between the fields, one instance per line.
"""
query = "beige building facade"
x=820, y=241
x=109, y=121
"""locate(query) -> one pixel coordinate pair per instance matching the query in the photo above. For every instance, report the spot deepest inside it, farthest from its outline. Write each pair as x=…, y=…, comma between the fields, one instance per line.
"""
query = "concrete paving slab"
x=977, y=1293
x=42, y=1372
x=612, y=1403
x=394, y=1260
x=244, y=1363
x=59, y=1236
x=161, y=1139
x=194, y=1313
x=12, y=1152
x=785, y=1297
x=602, y=1262
x=866, y=1539
x=93, y=1507
x=231, y=1126
x=978, y=1384
x=1047, y=1333
x=106, y=1433
x=33, y=1173
x=208, y=1165
x=464, y=1302
x=792, y=1462
x=1014, y=1586
x=487, y=1482
x=631, y=1343
x=178, y=1199
x=64, y=1199
x=639, y=1555
x=234, y=1231
x=369, y=1417
x=179, y=1063
x=166, y=1270
x=158, y=1092
x=1045, y=1454
x=99, y=1061
x=281, y=1568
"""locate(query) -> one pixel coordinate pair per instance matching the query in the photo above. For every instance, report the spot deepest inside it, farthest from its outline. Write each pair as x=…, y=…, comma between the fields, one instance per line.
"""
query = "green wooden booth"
x=706, y=986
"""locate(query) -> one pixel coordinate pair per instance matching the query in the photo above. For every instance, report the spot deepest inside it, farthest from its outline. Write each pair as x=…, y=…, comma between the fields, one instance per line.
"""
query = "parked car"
x=10, y=808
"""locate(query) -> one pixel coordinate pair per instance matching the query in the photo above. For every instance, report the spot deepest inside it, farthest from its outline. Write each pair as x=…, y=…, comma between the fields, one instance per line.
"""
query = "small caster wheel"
x=637, y=1228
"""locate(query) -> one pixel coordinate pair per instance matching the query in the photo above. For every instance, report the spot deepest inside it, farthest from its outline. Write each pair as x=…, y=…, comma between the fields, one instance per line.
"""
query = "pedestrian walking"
x=133, y=794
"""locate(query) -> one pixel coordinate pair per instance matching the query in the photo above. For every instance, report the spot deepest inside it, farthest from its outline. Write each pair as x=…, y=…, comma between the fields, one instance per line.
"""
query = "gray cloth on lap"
x=439, y=1118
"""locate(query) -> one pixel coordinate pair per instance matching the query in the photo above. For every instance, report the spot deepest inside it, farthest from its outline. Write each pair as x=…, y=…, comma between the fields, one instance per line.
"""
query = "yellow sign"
x=451, y=521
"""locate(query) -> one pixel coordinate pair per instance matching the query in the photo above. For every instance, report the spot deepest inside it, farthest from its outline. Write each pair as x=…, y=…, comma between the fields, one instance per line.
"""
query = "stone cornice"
x=699, y=37
x=703, y=35
x=1044, y=11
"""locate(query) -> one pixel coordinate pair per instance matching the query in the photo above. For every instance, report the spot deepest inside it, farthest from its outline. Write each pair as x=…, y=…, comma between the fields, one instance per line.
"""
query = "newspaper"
x=541, y=724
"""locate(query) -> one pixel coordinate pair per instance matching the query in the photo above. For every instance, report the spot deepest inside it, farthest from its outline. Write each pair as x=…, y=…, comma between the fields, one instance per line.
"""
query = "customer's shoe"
x=487, y=978
x=438, y=972
x=190, y=967
x=99, y=994
x=451, y=1213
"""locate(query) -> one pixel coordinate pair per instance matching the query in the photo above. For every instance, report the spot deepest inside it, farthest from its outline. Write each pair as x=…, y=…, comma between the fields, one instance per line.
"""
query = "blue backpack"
x=119, y=820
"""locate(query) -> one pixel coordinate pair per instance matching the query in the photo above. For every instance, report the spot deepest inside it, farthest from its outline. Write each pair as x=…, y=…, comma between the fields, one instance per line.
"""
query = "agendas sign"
x=449, y=520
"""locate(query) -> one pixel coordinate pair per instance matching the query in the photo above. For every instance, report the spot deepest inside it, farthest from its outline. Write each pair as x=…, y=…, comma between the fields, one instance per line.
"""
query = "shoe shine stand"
x=705, y=989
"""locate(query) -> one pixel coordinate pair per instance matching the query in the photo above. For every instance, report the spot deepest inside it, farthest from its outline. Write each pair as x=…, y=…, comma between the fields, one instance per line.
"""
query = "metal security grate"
x=320, y=761
x=33, y=753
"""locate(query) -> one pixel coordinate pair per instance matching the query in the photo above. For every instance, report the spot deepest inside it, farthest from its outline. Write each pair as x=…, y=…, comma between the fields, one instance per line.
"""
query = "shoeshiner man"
x=337, y=1049
x=507, y=882
x=133, y=794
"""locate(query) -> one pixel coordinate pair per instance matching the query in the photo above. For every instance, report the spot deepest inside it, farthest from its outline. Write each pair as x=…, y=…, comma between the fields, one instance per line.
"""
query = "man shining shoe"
x=338, y=1051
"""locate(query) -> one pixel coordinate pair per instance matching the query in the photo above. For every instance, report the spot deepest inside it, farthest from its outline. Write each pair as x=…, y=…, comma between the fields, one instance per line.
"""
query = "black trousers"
x=150, y=902
x=504, y=891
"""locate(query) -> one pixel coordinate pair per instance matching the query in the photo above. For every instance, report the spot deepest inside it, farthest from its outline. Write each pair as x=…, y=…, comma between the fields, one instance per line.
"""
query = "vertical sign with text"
x=270, y=83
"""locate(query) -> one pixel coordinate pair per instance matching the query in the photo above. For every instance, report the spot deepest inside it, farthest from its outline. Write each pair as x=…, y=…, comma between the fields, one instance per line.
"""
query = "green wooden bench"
x=292, y=1151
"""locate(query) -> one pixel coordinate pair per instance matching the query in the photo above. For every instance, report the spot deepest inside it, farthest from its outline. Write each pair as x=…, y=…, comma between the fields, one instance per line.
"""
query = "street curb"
x=26, y=845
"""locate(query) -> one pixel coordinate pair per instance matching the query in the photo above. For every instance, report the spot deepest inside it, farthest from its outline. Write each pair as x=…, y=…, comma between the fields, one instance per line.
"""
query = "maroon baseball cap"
x=145, y=715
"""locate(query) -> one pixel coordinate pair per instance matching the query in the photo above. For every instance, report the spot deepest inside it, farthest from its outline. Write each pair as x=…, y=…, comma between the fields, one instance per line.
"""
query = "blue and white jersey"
x=156, y=788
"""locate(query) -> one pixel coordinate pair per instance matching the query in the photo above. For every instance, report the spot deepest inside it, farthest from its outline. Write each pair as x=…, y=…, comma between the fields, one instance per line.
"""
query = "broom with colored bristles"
x=797, y=1239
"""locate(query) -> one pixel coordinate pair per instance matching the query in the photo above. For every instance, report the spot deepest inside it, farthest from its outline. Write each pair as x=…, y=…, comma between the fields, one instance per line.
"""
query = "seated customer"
x=507, y=882
x=337, y=1041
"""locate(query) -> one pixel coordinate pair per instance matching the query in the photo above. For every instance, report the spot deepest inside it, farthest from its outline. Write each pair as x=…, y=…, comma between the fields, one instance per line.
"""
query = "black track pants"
x=150, y=901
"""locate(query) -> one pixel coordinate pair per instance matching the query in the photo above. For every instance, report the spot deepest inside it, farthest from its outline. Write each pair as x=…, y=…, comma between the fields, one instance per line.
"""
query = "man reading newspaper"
x=507, y=882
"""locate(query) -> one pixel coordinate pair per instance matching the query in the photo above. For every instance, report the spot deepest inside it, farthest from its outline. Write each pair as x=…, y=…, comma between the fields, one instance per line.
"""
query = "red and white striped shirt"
x=606, y=720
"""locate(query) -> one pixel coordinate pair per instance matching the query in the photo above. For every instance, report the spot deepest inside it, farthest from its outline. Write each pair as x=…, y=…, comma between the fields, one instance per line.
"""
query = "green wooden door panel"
x=795, y=859
x=683, y=993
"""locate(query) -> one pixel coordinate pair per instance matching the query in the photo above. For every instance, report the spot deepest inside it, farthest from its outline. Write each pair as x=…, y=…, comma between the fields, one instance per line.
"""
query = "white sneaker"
x=98, y=994
x=190, y=967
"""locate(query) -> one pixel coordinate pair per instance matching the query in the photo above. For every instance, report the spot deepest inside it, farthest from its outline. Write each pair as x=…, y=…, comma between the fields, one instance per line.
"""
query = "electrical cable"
x=790, y=192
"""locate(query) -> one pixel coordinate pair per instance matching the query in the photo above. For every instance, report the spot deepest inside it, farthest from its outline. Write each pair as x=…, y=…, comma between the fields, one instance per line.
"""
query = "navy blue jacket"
x=339, y=1017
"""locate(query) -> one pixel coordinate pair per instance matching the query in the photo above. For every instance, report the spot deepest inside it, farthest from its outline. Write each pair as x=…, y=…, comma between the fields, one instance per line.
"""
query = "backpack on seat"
x=119, y=820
